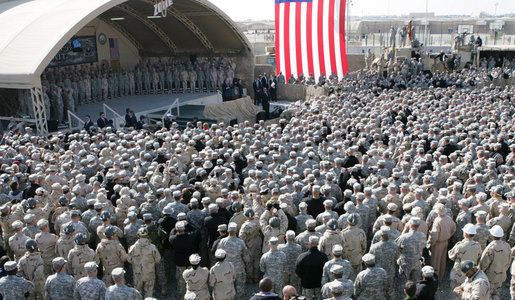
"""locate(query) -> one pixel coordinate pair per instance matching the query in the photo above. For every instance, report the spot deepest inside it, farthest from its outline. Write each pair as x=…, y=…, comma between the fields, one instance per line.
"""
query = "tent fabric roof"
x=33, y=31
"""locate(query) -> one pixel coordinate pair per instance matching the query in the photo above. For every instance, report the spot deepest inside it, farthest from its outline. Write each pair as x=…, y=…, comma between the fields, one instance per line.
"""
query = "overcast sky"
x=240, y=10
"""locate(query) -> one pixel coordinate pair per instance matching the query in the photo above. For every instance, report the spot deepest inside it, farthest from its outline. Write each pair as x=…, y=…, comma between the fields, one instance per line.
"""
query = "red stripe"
x=320, y=37
x=277, y=39
x=343, y=52
x=297, y=39
x=331, y=38
x=309, y=38
x=286, y=41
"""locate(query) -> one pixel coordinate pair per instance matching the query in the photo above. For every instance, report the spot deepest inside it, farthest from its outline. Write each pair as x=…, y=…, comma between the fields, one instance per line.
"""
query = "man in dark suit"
x=102, y=121
x=258, y=86
x=88, y=123
x=264, y=81
x=226, y=90
x=273, y=88
x=265, y=102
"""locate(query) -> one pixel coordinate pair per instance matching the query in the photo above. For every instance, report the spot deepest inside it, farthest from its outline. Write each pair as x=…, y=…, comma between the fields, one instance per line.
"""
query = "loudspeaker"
x=52, y=125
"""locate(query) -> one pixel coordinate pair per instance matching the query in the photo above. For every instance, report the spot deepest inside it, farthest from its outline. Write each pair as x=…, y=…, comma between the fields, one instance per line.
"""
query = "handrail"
x=117, y=117
x=169, y=110
x=80, y=121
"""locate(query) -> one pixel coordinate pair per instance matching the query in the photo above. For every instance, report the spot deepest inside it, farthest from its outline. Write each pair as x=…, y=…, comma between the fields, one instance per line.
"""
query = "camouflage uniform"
x=17, y=245
x=197, y=282
x=131, y=233
x=348, y=288
x=292, y=252
x=251, y=236
x=89, y=288
x=466, y=249
x=234, y=247
x=328, y=240
x=122, y=292
x=143, y=256
x=495, y=262
x=112, y=255
x=78, y=257
x=482, y=235
x=273, y=265
x=59, y=286
x=303, y=239
x=476, y=287
x=47, y=245
x=411, y=245
x=387, y=253
x=15, y=287
x=327, y=276
x=355, y=246
x=370, y=284
x=221, y=278
x=31, y=268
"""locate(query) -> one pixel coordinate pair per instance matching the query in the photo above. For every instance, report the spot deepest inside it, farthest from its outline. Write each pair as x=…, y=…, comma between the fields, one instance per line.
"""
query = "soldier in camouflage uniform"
x=12, y=286
x=31, y=268
x=119, y=290
x=143, y=256
x=337, y=273
x=337, y=259
x=90, y=287
x=330, y=238
x=303, y=238
x=157, y=236
x=30, y=229
x=18, y=240
x=222, y=277
x=46, y=243
x=131, y=230
x=355, y=243
x=59, y=286
x=234, y=248
x=370, y=283
x=196, y=279
x=80, y=254
x=251, y=236
x=482, y=230
x=411, y=245
x=111, y=253
x=273, y=265
x=386, y=253
x=292, y=251
x=466, y=249
x=302, y=217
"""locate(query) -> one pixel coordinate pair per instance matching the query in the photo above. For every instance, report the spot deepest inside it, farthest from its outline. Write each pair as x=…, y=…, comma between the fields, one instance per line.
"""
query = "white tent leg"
x=38, y=104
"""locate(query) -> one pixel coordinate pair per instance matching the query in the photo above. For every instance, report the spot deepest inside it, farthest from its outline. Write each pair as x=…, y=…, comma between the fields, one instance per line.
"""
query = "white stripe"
x=337, y=48
x=327, y=53
x=314, y=37
x=282, y=65
x=293, y=48
x=304, y=38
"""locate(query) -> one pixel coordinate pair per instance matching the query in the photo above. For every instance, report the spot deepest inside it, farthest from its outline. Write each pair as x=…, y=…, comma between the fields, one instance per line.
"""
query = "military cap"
x=311, y=223
x=17, y=225
x=90, y=266
x=98, y=206
x=147, y=217
x=118, y=273
x=181, y=216
x=497, y=231
x=314, y=240
x=167, y=210
x=29, y=218
x=194, y=259
x=392, y=206
x=337, y=249
x=180, y=226
x=132, y=215
x=274, y=241
x=428, y=271
x=58, y=262
x=481, y=214
x=222, y=227
x=4, y=208
x=10, y=266
x=220, y=253
x=42, y=223
x=232, y=227
x=369, y=258
x=337, y=288
x=212, y=208
x=290, y=234
x=415, y=220
x=337, y=269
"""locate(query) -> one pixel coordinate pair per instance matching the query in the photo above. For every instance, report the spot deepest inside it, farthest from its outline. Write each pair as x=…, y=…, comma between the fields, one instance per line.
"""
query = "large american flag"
x=310, y=37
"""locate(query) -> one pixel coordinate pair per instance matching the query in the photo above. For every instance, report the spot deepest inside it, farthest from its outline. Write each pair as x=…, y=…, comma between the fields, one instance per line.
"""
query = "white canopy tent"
x=31, y=34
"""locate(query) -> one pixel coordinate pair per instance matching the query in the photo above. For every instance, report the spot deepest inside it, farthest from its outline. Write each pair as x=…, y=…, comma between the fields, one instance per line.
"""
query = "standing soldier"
x=192, y=77
x=292, y=252
x=411, y=245
x=59, y=285
x=443, y=229
x=146, y=80
x=139, y=81
x=111, y=254
x=79, y=255
x=476, y=286
x=482, y=230
x=234, y=247
x=162, y=79
x=46, y=244
x=66, y=242
x=184, y=79
x=18, y=240
x=155, y=81
x=105, y=87
x=87, y=88
x=82, y=91
x=119, y=290
x=251, y=236
x=466, y=249
x=337, y=259
x=355, y=243
x=201, y=75
x=387, y=253
x=330, y=238
x=46, y=99
x=495, y=261
x=196, y=279
x=13, y=286
x=303, y=238
x=184, y=244
x=31, y=268
x=132, y=84
x=221, y=277
x=90, y=287
x=273, y=265
x=337, y=272
x=59, y=105
x=169, y=79
x=131, y=230
x=370, y=283
x=69, y=100
x=143, y=256
x=176, y=79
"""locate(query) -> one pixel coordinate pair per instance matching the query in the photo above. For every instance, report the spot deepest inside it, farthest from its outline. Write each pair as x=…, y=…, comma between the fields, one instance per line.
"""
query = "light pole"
x=425, y=26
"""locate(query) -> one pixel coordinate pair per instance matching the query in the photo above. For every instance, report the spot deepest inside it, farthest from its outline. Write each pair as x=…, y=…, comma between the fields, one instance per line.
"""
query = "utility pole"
x=425, y=27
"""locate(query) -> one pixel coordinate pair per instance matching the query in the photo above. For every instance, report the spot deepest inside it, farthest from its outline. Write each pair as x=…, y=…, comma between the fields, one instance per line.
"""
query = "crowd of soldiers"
x=364, y=194
x=65, y=88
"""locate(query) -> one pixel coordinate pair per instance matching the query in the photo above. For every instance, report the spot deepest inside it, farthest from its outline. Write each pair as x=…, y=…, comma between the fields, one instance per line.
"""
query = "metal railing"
x=169, y=110
x=72, y=116
x=117, y=119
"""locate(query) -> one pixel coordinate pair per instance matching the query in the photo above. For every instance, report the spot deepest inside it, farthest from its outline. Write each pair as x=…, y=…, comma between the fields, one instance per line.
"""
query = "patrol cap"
x=167, y=210
x=481, y=214
x=369, y=258
x=337, y=288
x=10, y=266
x=98, y=206
x=58, y=262
x=497, y=231
x=303, y=205
x=332, y=224
x=220, y=253
x=17, y=224
x=428, y=271
x=466, y=266
x=290, y=234
x=232, y=227
x=337, y=269
x=147, y=217
x=206, y=200
x=4, y=208
x=392, y=206
x=29, y=218
x=42, y=223
x=194, y=259
x=90, y=266
x=212, y=208
x=132, y=215
x=337, y=249
x=469, y=228
x=415, y=220
x=311, y=223
x=118, y=273
x=181, y=216
x=222, y=227
x=76, y=213
x=314, y=240
x=180, y=226
x=274, y=241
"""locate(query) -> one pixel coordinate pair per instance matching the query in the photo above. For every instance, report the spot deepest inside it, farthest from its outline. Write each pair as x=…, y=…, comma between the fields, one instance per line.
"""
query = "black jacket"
x=315, y=206
x=309, y=267
x=184, y=245
x=211, y=224
x=101, y=122
x=426, y=289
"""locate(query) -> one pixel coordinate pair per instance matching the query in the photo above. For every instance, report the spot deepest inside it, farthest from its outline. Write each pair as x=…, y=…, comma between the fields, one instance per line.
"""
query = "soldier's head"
x=249, y=213
x=481, y=217
x=385, y=233
x=220, y=255
x=11, y=267
x=58, y=264
x=313, y=241
x=147, y=218
x=91, y=268
x=410, y=288
x=290, y=236
x=468, y=268
x=118, y=275
x=110, y=233
x=497, y=232
x=233, y=229
x=42, y=225
x=428, y=272
x=273, y=243
x=469, y=231
x=31, y=245
x=17, y=226
x=337, y=290
x=369, y=260
x=80, y=239
x=414, y=223
x=180, y=227
x=265, y=285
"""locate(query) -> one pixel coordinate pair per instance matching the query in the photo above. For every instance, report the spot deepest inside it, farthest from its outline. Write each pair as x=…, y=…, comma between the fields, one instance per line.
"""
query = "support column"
x=38, y=105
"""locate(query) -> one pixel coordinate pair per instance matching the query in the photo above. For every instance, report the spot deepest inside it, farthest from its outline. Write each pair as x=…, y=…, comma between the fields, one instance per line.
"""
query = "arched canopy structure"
x=33, y=31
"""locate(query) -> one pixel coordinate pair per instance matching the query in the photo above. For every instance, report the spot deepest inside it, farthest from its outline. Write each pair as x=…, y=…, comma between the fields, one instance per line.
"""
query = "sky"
x=240, y=10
